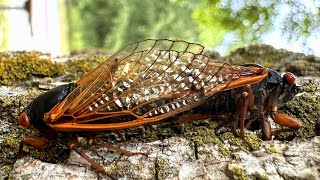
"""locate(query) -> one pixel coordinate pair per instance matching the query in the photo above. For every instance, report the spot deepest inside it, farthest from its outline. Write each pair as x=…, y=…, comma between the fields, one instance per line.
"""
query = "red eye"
x=289, y=77
x=24, y=120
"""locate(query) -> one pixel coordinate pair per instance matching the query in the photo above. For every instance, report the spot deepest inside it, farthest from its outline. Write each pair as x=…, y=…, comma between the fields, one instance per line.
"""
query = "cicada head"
x=286, y=83
x=289, y=87
x=34, y=112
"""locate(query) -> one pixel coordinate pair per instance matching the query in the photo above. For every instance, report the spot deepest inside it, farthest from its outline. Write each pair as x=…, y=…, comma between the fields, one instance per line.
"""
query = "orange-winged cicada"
x=152, y=80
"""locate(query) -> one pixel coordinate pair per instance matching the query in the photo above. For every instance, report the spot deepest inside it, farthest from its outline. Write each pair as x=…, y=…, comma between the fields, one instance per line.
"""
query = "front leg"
x=283, y=120
x=286, y=121
x=38, y=143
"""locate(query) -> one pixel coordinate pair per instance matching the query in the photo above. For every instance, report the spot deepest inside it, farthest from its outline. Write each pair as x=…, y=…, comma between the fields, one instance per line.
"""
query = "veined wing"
x=144, y=82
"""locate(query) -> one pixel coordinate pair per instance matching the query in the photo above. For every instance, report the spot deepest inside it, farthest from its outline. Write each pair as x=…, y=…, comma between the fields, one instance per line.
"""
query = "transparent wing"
x=147, y=81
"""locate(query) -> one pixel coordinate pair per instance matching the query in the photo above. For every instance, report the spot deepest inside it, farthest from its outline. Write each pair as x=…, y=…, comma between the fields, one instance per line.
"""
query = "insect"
x=152, y=80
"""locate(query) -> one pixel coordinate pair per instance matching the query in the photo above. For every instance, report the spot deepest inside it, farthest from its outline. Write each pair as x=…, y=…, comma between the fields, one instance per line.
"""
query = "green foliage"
x=250, y=20
x=75, y=32
x=246, y=18
x=113, y=24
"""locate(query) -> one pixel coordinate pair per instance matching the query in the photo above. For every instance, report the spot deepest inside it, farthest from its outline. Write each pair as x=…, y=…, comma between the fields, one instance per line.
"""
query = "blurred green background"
x=222, y=25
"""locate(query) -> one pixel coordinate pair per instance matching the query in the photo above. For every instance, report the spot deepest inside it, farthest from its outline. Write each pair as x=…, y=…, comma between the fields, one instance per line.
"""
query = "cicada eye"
x=289, y=78
x=24, y=120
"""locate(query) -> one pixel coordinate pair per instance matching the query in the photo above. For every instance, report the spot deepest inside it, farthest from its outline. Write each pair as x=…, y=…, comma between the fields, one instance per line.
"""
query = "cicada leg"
x=38, y=143
x=286, y=121
x=266, y=129
x=119, y=135
x=193, y=117
x=73, y=142
x=282, y=119
x=97, y=142
x=244, y=102
x=251, y=119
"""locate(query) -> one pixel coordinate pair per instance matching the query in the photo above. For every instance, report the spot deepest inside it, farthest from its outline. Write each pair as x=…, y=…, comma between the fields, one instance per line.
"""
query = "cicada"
x=152, y=80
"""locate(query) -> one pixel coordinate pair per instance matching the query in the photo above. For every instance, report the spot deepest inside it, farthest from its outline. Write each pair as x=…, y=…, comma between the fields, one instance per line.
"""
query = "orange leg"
x=92, y=142
x=35, y=142
x=244, y=102
x=193, y=117
x=286, y=121
x=114, y=148
x=118, y=133
x=73, y=146
x=38, y=143
x=251, y=119
x=248, y=89
x=282, y=119
x=266, y=127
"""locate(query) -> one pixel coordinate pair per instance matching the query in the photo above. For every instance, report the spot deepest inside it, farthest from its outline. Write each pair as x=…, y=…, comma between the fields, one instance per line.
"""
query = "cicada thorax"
x=145, y=82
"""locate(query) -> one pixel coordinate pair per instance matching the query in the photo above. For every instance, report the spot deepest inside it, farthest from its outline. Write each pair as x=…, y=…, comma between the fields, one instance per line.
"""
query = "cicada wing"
x=151, y=79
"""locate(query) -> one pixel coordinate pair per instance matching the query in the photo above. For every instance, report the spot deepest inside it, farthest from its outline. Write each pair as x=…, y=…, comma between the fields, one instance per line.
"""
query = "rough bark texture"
x=176, y=150
x=178, y=158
